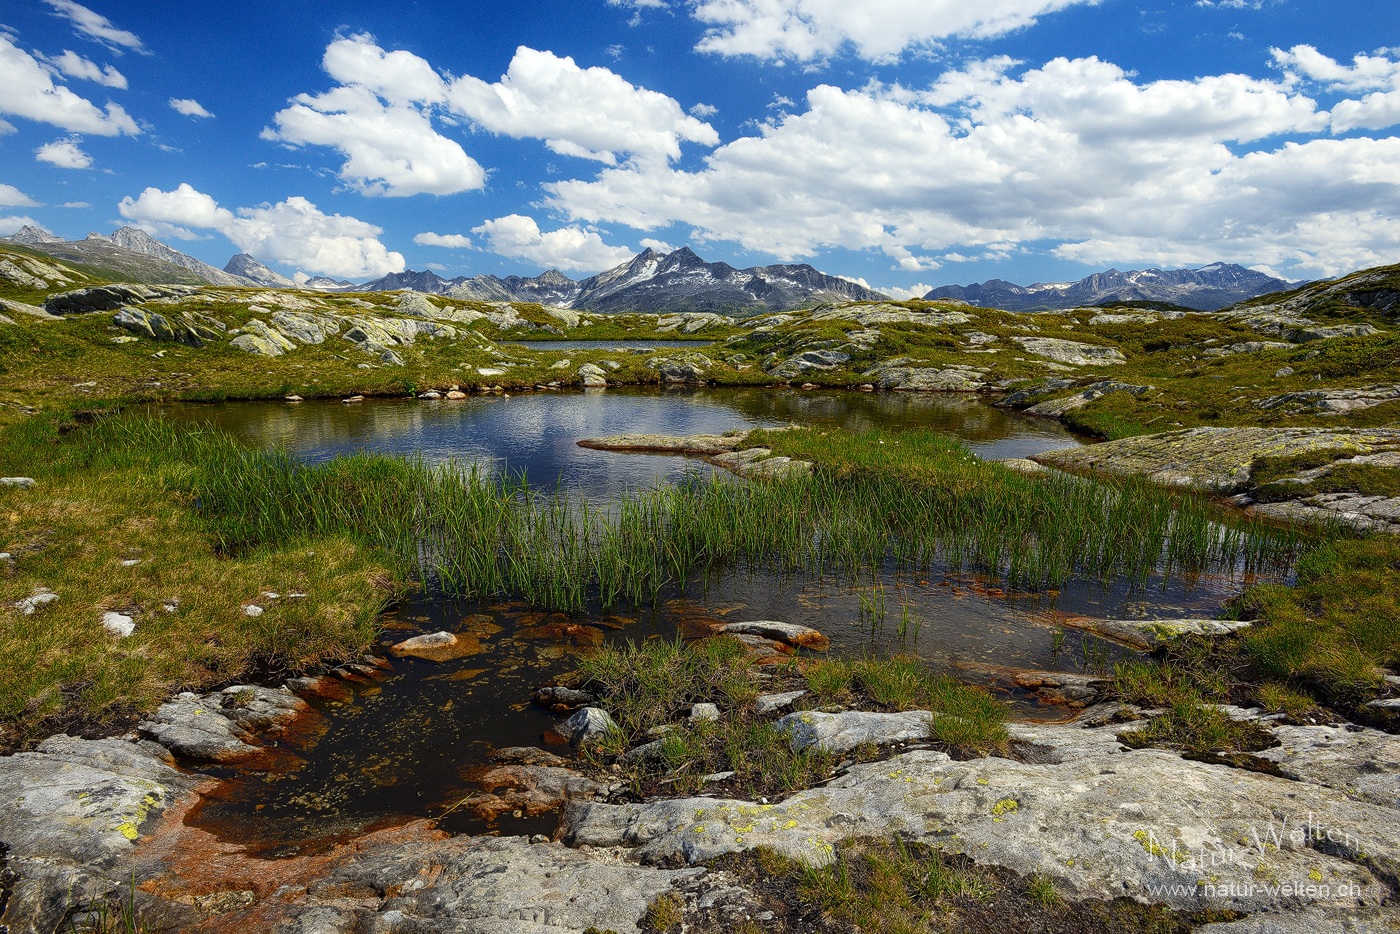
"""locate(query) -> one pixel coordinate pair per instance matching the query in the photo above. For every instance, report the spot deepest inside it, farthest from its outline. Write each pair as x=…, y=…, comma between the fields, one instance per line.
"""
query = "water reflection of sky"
x=538, y=432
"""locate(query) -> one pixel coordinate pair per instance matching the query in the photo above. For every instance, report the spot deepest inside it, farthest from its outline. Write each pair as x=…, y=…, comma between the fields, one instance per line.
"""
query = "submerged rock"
x=438, y=646
x=1150, y=633
x=793, y=634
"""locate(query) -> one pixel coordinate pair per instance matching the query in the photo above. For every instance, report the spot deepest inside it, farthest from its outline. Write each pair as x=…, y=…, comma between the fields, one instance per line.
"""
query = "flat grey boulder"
x=72, y=813
x=590, y=374
x=1363, y=763
x=1331, y=401
x=1364, y=513
x=587, y=726
x=222, y=726
x=1313, y=920
x=481, y=885
x=692, y=368
x=1055, y=408
x=23, y=483
x=899, y=375
x=807, y=360
x=1100, y=820
x=794, y=634
x=667, y=444
x=1213, y=459
x=842, y=732
x=1073, y=353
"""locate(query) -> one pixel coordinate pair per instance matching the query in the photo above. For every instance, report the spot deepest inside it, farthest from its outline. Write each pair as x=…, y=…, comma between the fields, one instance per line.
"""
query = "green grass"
x=651, y=686
x=1330, y=633
x=119, y=490
x=1269, y=475
x=894, y=886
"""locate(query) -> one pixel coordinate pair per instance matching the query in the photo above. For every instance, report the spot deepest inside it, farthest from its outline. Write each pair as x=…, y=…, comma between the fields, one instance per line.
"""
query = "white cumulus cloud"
x=1378, y=73
x=572, y=248
x=9, y=223
x=75, y=66
x=455, y=241
x=95, y=26
x=381, y=117
x=64, y=153
x=293, y=232
x=189, y=107
x=27, y=90
x=587, y=112
x=873, y=29
x=12, y=197
x=1077, y=152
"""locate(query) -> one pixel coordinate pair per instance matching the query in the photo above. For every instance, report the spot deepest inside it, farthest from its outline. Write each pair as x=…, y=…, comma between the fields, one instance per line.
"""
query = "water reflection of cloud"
x=537, y=433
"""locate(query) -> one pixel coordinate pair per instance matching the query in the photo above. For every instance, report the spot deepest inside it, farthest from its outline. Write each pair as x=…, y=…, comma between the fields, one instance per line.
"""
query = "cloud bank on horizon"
x=881, y=141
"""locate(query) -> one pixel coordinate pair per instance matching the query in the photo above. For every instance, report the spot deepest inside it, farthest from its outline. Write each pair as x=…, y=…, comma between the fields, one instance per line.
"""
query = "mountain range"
x=662, y=282
x=651, y=281
x=1206, y=289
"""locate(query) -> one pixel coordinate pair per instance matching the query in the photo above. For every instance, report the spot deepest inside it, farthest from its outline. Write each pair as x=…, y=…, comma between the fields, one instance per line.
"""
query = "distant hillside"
x=1206, y=289
x=128, y=255
x=652, y=281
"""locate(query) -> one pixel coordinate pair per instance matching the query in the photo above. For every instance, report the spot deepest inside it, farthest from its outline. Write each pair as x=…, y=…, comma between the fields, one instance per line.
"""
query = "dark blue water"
x=538, y=432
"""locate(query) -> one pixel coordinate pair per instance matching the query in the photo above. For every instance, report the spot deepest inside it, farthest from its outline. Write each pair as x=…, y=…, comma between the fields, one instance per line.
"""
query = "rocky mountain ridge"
x=652, y=281
x=1206, y=289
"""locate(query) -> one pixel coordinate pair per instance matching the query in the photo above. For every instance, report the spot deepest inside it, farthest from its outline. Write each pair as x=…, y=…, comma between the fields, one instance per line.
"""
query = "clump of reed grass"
x=471, y=533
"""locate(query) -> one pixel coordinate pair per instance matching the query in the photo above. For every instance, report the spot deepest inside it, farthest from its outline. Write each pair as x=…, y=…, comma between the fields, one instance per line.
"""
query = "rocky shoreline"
x=1310, y=844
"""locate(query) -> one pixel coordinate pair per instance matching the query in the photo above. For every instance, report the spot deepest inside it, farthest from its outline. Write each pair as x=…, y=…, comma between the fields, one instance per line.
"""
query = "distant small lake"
x=619, y=344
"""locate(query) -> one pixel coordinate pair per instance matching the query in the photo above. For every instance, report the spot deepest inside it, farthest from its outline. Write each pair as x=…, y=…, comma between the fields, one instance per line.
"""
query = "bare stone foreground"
x=1316, y=851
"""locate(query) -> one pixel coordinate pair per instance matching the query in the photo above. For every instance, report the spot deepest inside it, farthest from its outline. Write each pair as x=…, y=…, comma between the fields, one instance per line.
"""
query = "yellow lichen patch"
x=1006, y=806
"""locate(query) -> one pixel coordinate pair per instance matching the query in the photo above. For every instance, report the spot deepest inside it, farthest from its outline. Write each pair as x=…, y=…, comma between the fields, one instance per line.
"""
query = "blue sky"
x=907, y=143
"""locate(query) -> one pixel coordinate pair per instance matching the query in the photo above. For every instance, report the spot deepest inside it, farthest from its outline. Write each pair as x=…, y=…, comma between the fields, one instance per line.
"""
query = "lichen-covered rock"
x=591, y=374
x=256, y=344
x=883, y=313
x=807, y=360
x=1099, y=819
x=417, y=304
x=72, y=813
x=1073, y=353
x=770, y=703
x=1304, y=335
x=691, y=368
x=302, y=327
x=145, y=323
x=666, y=444
x=1150, y=633
x=1365, y=513
x=1213, y=459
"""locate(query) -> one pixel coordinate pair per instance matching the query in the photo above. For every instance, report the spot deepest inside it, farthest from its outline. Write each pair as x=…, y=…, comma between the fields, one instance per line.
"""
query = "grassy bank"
x=113, y=526
x=1314, y=651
